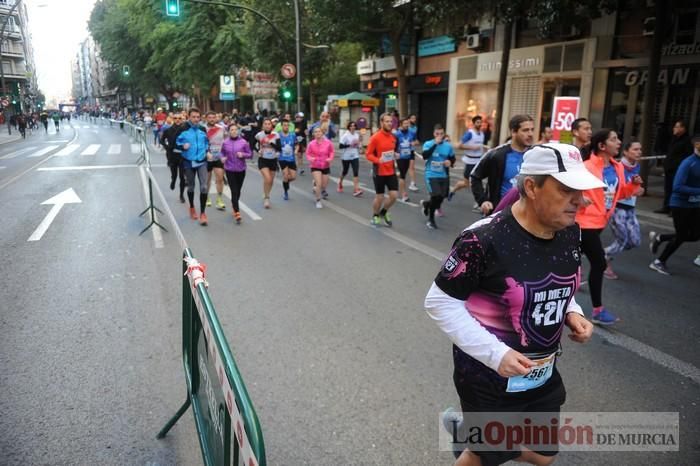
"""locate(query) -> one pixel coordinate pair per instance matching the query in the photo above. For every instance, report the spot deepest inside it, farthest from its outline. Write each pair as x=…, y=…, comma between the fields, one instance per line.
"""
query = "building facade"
x=17, y=58
x=602, y=62
x=89, y=75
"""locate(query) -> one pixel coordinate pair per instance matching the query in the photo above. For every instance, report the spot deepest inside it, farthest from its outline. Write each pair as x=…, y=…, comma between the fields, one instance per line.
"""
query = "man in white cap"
x=505, y=293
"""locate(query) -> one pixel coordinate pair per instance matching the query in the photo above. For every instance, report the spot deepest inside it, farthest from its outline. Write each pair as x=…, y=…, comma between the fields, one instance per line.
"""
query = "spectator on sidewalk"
x=679, y=148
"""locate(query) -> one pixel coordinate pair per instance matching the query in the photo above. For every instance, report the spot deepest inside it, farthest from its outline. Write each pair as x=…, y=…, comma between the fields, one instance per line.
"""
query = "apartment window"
x=11, y=24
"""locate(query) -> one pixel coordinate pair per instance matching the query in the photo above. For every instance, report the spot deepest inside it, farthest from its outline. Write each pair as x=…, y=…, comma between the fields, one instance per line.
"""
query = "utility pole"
x=297, y=20
x=2, y=68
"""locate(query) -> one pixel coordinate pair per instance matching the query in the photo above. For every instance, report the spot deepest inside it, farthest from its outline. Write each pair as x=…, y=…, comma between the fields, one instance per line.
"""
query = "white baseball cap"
x=300, y=114
x=561, y=161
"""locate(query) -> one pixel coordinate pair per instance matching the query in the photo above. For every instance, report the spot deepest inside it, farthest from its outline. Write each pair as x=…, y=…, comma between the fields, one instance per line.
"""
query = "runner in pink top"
x=320, y=153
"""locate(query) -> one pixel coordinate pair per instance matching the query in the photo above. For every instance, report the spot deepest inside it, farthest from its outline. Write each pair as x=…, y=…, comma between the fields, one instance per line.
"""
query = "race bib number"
x=405, y=152
x=388, y=156
x=268, y=153
x=436, y=166
x=609, y=196
x=538, y=375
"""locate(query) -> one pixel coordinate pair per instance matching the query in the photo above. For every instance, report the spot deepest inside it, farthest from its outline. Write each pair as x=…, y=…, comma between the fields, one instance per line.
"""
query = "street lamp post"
x=2, y=68
x=297, y=20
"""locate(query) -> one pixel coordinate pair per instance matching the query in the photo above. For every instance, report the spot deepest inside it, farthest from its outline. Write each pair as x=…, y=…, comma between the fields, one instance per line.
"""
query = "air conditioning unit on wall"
x=473, y=41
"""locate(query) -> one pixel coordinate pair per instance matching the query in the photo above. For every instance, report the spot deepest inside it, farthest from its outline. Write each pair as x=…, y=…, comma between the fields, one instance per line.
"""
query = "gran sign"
x=674, y=77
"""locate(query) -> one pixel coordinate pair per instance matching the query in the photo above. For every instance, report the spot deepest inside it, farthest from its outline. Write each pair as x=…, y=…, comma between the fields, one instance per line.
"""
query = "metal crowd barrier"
x=227, y=425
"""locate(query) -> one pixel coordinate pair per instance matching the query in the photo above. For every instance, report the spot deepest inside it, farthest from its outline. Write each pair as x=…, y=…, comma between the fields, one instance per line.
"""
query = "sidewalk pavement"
x=5, y=138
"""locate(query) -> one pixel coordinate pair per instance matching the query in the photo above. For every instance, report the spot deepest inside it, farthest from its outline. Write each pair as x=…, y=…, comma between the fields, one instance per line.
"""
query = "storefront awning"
x=357, y=99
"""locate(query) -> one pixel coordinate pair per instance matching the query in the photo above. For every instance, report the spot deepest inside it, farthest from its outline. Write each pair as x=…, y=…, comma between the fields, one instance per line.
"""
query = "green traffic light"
x=172, y=7
x=287, y=94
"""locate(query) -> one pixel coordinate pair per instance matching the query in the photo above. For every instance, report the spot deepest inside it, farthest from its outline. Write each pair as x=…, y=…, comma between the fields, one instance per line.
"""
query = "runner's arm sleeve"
x=428, y=149
x=680, y=181
x=479, y=173
x=575, y=307
x=463, y=329
x=370, y=152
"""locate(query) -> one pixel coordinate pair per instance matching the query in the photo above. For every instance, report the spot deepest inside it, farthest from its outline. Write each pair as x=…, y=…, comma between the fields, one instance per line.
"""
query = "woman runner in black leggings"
x=234, y=152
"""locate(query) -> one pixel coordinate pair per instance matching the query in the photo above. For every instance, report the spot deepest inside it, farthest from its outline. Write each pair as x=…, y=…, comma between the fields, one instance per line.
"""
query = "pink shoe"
x=358, y=193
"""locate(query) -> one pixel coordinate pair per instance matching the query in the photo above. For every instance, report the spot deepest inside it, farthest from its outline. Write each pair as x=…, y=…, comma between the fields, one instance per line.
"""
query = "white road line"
x=368, y=189
x=91, y=167
x=114, y=149
x=14, y=154
x=43, y=151
x=155, y=230
x=56, y=140
x=648, y=352
x=68, y=150
x=227, y=192
x=84, y=127
x=91, y=149
x=166, y=209
x=2, y=168
x=428, y=251
x=136, y=148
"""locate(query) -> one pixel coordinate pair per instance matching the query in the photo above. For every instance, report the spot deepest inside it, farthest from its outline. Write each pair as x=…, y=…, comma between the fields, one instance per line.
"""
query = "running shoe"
x=424, y=205
x=208, y=202
x=357, y=193
x=285, y=196
x=172, y=184
x=374, y=221
x=340, y=187
x=319, y=205
x=604, y=317
x=654, y=242
x=476, y=209
x=387, y=219
x=220, y=203
x=324, y=194
x=193, y=213
x=439, y=213
x=697, y=261
x=405, y=198
x=659, y=267
x=302, y=171
x=237, y=217
x=203, y=219
x=413, y=187
x=431, y=225
x=609, y=273
x=453, y=423
x=450, y=196
x=266, y=202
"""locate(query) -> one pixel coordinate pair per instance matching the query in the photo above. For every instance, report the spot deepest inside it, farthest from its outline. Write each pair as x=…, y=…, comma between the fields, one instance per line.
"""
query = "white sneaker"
x=413, y=187
x=697, y=261
x=404, y=199
x=319, y=205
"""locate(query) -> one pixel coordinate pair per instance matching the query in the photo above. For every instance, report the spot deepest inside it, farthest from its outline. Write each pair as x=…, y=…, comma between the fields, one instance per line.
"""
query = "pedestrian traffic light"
x=125, y=70
x=172, y=7
x=286, y=92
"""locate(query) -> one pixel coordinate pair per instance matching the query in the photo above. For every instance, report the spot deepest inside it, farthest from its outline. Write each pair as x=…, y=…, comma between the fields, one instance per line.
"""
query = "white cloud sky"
x=57, y=27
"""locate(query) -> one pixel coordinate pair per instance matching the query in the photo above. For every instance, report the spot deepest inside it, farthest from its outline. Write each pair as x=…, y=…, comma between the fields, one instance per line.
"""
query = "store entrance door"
x=432, y=109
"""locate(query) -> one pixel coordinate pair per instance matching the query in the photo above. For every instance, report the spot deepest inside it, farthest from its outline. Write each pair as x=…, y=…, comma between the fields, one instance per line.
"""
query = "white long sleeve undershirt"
x=465, y=331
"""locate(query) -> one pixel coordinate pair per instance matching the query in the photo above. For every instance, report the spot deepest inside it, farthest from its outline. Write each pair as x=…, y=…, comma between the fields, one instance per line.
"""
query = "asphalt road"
x=323, y=314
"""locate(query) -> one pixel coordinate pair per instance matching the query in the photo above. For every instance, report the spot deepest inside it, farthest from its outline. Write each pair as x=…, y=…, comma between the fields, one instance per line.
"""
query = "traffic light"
x=174, y=104
x=172, y=7
x=125, y=70
x=286, y=92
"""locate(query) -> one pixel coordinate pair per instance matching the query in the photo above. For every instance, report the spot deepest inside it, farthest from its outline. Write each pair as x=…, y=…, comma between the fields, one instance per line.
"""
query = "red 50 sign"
x=565, y=111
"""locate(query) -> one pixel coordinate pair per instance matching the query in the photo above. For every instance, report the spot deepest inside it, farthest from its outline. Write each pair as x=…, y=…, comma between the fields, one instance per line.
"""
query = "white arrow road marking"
x=136, y=148
x=66, y=197
x=43, y=151
x=114, y=149
x=14, y=154
x=91, y=149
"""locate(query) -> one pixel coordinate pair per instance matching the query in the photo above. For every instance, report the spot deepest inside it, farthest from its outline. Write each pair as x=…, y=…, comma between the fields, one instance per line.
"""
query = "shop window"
x=552, y=59
x=573, y=57
x=525, y=96
x=466, y=68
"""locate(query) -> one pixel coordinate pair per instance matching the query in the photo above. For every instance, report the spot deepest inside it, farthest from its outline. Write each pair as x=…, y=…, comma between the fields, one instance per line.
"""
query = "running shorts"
x=324, y=171
x=403, y=167
x=284, y=164
x=214, y=164
x=468, y=170
x=267, y=163
x=438, y=186
x=482, y=390
x=383, y=182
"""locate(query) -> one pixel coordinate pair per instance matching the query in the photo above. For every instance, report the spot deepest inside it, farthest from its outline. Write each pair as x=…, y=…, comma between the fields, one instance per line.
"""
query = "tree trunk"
x=400, y=73
x=661, y=11
x=500, y=97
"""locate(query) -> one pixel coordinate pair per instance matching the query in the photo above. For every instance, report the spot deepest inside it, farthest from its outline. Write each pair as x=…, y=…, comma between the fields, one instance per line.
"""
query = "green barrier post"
x=226, y=422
